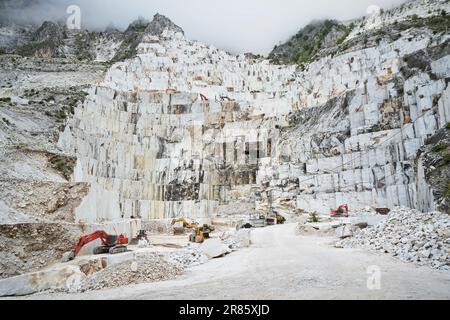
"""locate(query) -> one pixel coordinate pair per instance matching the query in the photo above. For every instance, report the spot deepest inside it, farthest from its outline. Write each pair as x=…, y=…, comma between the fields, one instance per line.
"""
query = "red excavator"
x=342, y=211
x=111, y=244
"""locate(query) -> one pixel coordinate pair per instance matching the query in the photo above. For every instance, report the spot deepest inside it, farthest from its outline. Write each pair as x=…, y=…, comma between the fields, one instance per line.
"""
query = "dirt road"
x=282, y=265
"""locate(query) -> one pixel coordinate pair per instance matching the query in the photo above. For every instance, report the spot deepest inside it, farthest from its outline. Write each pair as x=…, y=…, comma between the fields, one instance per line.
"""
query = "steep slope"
x=435, y=156
x=322, y=38
x=308, y=42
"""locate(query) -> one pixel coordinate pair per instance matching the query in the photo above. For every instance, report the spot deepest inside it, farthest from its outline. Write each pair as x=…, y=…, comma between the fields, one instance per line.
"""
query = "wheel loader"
x=201, y=233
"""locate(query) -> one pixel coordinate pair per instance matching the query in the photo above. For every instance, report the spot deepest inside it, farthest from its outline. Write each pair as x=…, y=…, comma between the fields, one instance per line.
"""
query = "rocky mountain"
x=54, y=40
x=161, y=23
x=46, y=42
x=308, y=42
x=322, y=38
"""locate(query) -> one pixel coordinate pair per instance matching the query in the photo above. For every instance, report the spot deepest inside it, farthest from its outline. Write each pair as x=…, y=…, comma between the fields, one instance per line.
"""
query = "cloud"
x=235, y=25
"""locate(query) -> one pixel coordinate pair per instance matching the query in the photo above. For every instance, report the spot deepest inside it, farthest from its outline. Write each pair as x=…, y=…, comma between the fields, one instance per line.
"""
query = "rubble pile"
x=189, y=257
x=145, y=268
x=410, y=235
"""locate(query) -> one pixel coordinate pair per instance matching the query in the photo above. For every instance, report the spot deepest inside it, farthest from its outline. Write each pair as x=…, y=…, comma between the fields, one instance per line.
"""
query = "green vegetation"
x=30, y=49
x=348, y=30
x=446, y=159
x=128, y=47
x=49, y=98
x=314, y=217
x=447, y=191
x=316, y=37
x=83, y=51
x=447, y=126
x=61, y=115
x=438, y=23
x=20, y=146
x=64, y=165
x=308, y=42
x=132, y=38
x=438, y=148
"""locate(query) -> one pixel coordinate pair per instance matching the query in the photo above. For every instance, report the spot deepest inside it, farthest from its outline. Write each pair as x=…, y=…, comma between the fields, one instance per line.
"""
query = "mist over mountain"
x=237, y=26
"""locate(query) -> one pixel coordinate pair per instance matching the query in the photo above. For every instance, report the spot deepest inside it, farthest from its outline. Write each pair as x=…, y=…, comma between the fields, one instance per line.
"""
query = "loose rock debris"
x=410, y=235
x=188, y=257
x=30, y=247
x=145, y=268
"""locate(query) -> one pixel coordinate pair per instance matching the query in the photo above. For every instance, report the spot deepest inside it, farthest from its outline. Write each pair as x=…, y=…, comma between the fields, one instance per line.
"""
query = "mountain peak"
x=160, y=23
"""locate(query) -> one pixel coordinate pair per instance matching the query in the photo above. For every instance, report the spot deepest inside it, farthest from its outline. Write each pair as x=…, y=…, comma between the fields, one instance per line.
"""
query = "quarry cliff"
x=184, y=128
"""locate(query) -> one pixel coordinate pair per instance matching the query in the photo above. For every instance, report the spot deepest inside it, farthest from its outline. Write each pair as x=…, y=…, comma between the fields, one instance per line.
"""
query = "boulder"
x=344, y=231
x=67, y=278
x=243, y=238
x=214, y=248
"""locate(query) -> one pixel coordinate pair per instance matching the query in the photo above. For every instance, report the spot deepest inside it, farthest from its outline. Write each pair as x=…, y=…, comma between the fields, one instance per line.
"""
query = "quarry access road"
x=283, y=265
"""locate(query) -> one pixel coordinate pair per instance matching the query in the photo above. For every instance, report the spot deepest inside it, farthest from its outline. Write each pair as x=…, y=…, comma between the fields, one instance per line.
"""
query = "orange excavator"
x=111, y=244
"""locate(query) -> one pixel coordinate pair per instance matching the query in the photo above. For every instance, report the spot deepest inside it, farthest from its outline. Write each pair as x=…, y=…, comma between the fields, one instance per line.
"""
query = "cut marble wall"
x=184, y=127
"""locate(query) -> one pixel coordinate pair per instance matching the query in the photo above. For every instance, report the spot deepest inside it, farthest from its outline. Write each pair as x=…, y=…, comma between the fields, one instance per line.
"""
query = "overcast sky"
x=235, y=25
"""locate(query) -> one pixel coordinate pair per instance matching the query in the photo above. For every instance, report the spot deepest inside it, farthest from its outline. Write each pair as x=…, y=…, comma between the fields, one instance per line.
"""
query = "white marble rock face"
x=153, y=147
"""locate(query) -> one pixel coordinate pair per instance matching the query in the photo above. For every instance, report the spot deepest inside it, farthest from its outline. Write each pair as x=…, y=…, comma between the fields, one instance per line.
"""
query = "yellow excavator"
x=187, y=223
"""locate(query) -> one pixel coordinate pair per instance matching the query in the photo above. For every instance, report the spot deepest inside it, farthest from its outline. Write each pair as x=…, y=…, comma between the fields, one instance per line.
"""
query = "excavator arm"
x=84, y=240
x=188, y=224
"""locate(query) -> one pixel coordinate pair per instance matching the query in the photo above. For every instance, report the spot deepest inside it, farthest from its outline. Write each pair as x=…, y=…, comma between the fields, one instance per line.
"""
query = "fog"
x=235, y=25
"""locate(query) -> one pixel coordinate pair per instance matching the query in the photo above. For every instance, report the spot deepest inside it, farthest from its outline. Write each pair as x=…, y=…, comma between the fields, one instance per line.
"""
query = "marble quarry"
x=184, y=128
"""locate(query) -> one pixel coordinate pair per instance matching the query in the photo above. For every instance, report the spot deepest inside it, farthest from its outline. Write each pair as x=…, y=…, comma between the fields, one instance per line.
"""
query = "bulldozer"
x=111, y=244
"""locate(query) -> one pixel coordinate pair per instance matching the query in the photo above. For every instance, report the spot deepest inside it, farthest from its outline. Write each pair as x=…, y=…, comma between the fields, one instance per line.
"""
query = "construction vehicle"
x=280, y=219
x=271, y=221
x=342, y=211
x=111, y=244
x=383, y=211
x=257, y=220
x=187, y=223
x=275, y=219
x=201, y=233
